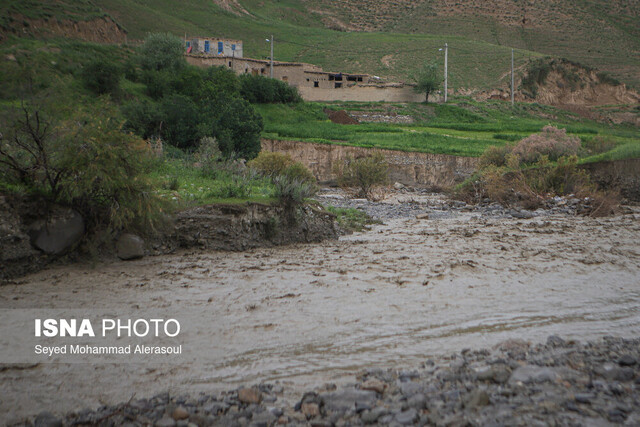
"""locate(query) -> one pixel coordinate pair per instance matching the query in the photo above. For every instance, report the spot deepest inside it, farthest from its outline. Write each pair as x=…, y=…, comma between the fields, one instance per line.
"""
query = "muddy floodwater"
x=306, y=315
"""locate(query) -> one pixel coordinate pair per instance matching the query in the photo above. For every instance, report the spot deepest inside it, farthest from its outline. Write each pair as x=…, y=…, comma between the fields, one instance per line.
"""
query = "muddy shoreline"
x=303, y=315
x=514, y=383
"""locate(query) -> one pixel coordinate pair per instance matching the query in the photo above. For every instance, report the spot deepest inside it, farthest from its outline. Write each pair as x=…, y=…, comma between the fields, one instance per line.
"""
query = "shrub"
x=86, y=162
x=551, y=142
x=536, y=75
x=237, y=128
x=270, y=164
x=162, y=51
x=143, y=118
x=292, y=192
x=180, y=122
x=494, y=156
x=598, y=145
x=264, y=90
x=363, y=173
x=299, y=172
x=208, y=154
x=102, y=76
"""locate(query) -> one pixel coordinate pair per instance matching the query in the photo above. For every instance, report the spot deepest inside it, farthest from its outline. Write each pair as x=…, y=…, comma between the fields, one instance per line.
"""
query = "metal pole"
x=271, y=66
x=512, y=84
x=446, y=59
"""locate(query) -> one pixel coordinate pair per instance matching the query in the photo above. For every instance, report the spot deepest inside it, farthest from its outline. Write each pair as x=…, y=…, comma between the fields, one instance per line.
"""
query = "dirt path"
x=309, y=314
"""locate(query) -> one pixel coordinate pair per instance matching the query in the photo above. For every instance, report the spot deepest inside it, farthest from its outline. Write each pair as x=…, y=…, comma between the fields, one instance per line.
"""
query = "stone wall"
x=408, y=168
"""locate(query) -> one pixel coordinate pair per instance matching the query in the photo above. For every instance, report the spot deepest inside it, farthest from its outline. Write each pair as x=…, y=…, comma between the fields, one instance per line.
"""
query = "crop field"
x=463, y=127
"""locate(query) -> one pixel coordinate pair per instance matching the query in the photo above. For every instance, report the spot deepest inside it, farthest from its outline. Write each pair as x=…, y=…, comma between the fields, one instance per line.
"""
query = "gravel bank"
x=408, y=202
x=515, y=383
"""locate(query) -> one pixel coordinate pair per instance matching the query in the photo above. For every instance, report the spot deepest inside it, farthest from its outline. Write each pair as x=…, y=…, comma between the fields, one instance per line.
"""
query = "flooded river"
x=306, y=315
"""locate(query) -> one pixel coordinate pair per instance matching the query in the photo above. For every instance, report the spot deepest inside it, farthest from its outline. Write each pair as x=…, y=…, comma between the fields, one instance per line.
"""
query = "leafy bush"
x=605, y=78
x=299, y=172
x=180, y=122
x=291, y=192
x=536, y=75
x=264, y=90
x=494, y=156
x=270, y=164
x=208, y=154
x=162, y=51
x=237, y=129
x=86, y=162
x=551, y=142
x=351, y=219
x=363, y=173
x=102, y=76
x=143, y=118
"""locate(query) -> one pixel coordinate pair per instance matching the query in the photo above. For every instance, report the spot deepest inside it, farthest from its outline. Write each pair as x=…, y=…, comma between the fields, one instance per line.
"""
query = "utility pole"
x=512, y=84
x=271, y=65
x=446, y=60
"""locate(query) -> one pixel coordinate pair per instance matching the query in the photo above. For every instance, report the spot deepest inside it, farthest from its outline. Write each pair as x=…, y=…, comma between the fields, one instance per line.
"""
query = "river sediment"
x=406, y=292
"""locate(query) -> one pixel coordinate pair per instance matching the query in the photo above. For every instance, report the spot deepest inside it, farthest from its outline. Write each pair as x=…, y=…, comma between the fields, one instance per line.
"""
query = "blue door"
x=220, y=48
x=206, y=45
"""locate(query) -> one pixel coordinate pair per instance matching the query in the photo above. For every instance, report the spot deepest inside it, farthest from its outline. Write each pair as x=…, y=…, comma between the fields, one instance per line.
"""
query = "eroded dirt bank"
x=305, y=315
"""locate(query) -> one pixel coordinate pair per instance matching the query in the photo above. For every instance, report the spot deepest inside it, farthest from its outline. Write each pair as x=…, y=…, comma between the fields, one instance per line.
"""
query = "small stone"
x=374, y=384
x=627, y=360
x=370, y=417
x=407, y=417
x=262, y=419
x=478, y=399
x=47, y=419
x=283, y=420
x=180, y=413
x=422, y=216
x=129, y=246
x=345, y=400
x=532, y=374
x=165, y=422
x=583, y=398
x=310, y=410
x=555, y=341
x=249, y=395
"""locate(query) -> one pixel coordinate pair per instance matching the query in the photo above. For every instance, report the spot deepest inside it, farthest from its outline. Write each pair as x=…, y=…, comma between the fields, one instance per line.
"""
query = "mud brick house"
x=214, y=46
x=313, y=83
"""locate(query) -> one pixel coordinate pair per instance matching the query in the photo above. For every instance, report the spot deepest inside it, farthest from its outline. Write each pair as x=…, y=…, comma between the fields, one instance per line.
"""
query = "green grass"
x=464, y=127
x=178, y=181
x=352, y=219
x=629, y=150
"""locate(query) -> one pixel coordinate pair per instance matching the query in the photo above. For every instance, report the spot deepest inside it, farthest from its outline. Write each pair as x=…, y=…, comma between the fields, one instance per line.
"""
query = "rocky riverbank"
x=406, y=202
x=514, y=383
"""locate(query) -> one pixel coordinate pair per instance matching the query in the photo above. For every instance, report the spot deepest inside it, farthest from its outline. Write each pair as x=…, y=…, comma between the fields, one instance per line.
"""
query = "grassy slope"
x=600, y=33
x=479, y=51
x=300, y=36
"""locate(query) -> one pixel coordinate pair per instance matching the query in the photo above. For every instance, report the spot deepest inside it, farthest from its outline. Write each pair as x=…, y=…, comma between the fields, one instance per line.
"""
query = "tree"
x=102, y=76
x=427, y=79
x=363, y=173
x=162, y=51
x=237, y=128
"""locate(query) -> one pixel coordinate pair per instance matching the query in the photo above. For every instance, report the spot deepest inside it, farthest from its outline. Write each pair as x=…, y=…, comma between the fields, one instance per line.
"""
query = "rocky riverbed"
x=512, y=384
x=436, y=279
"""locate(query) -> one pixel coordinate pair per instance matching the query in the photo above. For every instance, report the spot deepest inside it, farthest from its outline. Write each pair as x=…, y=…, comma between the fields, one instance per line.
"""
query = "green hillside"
x=389, y=40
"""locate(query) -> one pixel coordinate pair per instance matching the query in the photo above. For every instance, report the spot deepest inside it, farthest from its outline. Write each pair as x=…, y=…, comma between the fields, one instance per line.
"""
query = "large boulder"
x=130, y=246
x=63, y=229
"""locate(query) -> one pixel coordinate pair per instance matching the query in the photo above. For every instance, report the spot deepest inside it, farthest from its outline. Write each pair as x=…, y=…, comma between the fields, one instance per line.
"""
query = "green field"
x=464, y=127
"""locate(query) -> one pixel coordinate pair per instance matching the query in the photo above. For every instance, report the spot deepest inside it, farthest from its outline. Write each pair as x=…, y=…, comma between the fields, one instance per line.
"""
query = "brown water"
x=310, y=314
